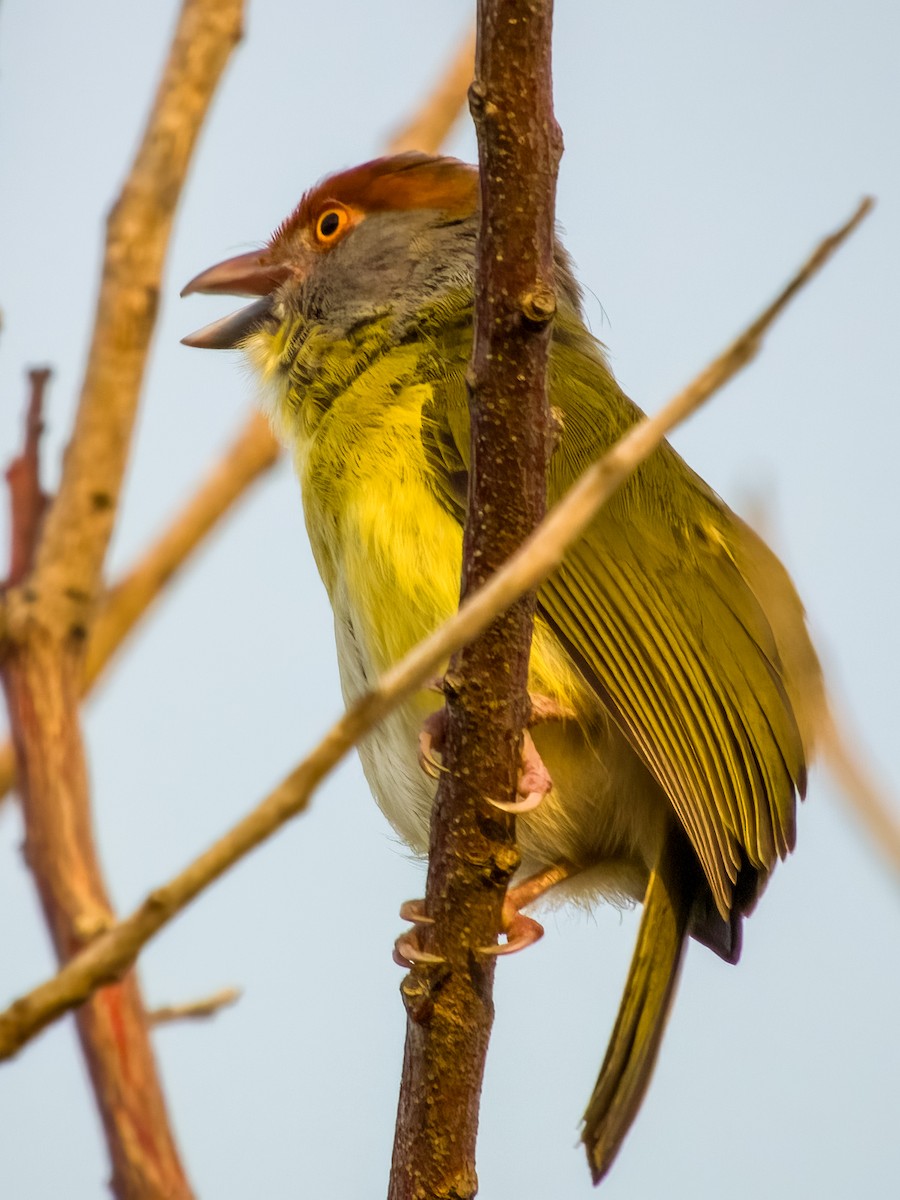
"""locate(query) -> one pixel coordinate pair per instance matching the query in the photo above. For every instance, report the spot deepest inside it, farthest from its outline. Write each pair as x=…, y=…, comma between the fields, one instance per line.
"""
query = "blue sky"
x=708, y=146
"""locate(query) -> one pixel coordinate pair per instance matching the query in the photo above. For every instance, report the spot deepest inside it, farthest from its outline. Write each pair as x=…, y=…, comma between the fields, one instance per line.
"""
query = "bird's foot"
x=522, y=931
x=545, y=708
x=432, y=736
x=407, y=951
x=533, y=784
x=534, y=780
x=519, y=931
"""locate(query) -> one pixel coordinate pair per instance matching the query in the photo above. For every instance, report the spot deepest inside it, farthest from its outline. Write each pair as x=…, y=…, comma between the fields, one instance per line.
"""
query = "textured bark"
x=42, y=693
x=473, y=851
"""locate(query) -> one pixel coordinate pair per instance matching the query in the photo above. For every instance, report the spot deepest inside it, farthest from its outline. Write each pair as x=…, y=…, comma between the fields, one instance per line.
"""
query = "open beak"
x=252, y=274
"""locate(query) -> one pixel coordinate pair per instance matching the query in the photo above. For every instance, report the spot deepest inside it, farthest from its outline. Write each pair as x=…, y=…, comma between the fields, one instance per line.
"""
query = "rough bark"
x=473, y=851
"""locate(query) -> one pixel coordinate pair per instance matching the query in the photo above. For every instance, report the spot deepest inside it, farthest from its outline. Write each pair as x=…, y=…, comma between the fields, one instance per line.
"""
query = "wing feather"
x=663, y=604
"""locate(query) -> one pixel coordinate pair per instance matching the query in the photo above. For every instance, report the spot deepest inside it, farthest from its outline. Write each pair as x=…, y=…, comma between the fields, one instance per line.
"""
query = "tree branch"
x=27, y=501
x=253, y=451
x=841, y=751
x=860, y=788
x=80, y=522
x=473, y=852
x=195, y=1010
x=48, y=614
x=112, y=952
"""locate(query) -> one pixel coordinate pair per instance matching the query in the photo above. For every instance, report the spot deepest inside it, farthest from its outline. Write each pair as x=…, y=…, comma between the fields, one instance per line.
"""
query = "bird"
x=675, y=679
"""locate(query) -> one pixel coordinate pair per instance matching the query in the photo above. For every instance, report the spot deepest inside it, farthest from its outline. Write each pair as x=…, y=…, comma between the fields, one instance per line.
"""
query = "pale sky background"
x=708, y=146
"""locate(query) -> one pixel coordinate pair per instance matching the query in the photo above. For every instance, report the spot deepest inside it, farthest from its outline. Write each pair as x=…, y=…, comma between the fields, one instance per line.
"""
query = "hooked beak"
x=252, y=274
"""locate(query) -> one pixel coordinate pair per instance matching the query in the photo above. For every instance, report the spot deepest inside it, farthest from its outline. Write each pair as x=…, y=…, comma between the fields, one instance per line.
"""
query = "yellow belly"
x=390, y=555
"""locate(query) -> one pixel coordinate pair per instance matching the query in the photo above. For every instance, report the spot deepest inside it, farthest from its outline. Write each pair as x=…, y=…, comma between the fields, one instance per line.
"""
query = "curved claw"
x=412, y=911
x=429, y=764
x=518, y=807
x=407, y=952
x=521, y=931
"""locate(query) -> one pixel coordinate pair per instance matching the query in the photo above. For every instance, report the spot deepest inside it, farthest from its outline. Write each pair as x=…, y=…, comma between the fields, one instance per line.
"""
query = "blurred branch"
x=49, y=613
x=112, y=952
x=195, y=1010
x=27, y=501
x=449, y=1003
x=79, y=523
x=859, y=787
x=842, y=752
x=252, y=452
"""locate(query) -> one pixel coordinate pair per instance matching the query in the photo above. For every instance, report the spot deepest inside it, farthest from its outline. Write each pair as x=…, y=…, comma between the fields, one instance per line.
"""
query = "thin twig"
x=841, y=751
x=27, y=501
x=253, y=452
x=113, y=952
x=195, y=1010
x=859, y=787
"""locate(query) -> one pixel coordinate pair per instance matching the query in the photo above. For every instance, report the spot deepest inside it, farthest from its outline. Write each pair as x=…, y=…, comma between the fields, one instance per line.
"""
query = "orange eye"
x=332, y=222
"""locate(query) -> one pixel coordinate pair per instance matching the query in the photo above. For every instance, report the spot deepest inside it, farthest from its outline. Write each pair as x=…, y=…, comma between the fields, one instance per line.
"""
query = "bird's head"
x=384, y=237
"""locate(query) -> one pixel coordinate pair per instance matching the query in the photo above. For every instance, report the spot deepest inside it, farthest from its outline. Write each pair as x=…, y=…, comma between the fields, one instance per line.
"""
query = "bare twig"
x=79, y=524
x=112, y=952
x=195, y=1010
x=840, y=750
x=859, y=787
x=472, y=855
x=27, y=501
x=49, y=613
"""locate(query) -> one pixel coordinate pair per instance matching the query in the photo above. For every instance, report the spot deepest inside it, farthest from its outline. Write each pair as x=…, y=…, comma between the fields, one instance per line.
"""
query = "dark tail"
x=639, y=1027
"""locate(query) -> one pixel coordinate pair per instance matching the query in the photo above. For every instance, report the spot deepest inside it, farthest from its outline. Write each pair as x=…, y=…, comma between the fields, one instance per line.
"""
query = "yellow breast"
x=389, y=554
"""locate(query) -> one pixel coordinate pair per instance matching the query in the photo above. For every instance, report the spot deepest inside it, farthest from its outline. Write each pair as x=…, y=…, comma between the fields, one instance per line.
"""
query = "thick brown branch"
x=42, y=693
x=113, y=952
x=26, y=500
x=48, y=614
x=472, y=850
